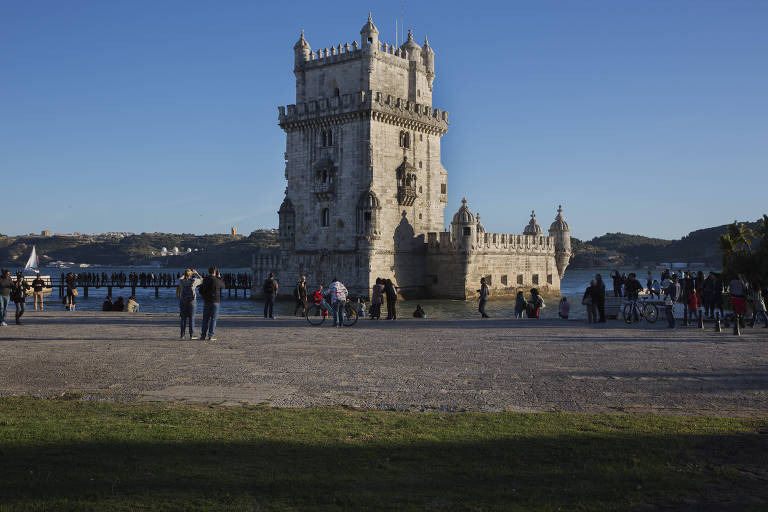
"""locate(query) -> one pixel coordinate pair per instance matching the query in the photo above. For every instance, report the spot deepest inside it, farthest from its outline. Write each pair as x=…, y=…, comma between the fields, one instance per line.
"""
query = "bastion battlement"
x=445, y=242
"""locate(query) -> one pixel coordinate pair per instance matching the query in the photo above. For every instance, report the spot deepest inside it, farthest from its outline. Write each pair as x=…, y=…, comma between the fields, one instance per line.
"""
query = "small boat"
x=31, y=271
x=33, y=262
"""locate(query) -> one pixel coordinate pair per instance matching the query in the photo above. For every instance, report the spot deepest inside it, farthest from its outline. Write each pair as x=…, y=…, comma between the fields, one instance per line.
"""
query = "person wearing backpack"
x=188, y=284
x=210, y=291
x=270, y=294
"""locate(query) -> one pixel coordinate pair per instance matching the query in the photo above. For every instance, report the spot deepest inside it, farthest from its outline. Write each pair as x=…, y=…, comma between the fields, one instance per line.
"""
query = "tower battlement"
x=446, y=242
x=384, y=107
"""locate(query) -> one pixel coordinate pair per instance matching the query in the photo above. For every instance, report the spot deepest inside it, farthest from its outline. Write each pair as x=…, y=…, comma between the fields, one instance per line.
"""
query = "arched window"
x=405, y=139
x=330, y=137
x=325, y=219
x=336, y=92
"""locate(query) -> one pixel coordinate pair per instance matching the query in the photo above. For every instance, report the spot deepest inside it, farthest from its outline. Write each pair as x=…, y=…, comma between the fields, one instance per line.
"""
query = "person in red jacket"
x=693, y=304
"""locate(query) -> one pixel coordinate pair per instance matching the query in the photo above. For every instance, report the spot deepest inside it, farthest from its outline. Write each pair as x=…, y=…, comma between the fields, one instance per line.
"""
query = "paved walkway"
x=489, y=365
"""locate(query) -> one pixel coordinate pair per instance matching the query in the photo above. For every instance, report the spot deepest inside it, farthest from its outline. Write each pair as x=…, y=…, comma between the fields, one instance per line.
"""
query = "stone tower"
x=561, y=233
x=364, y=178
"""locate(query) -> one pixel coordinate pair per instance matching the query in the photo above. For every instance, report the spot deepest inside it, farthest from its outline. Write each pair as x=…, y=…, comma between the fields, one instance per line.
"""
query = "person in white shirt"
x=188, y=300
x=337, y=293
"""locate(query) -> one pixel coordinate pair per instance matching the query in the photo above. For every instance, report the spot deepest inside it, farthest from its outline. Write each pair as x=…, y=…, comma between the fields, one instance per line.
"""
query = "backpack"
x=187, y=292
x=269, y=286
x=206, y=289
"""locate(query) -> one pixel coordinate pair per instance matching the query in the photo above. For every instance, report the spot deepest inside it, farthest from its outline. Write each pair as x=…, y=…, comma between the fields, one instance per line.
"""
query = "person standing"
x=37, y=291
x=391, y=293
x=270, y=295
x=632, y=287
x=598, y=297
x=71, y=284
x=188, y=284
x=6, y=285
x=671, y=295
x=738, y=290
x=758, y=304
x=708, y=296
x=520, y=304
x=337, y=293
x=300, y=294
x=377, y=295
x=589, y=303
x=19, y=296
x=210, y=290
x=617, y=282
x=484, y=293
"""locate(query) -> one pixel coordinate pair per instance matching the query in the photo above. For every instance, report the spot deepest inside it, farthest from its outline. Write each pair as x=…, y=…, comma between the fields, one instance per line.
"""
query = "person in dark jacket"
x=391, y=293
x=119, y=304
x=19, y=296
x=617, y=282
x=708, y=295
x=589, y=303
x=484, y=293
x=107, y=304
x=71, y=284
x=632, y=287
x=270, y=295
x=300, y=294
x=6, y=285
x=598, y=297
x=210, y=290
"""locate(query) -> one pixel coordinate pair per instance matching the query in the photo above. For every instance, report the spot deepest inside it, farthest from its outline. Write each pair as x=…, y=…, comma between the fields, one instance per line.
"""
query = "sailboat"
x=33, y=262
x=31, y=271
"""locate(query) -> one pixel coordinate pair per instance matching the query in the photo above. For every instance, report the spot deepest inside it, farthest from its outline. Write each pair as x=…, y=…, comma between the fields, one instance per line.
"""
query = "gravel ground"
x=477, y=365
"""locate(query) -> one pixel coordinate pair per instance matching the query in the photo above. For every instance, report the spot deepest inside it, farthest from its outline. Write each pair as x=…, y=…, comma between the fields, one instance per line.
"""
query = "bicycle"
x=636, y=309
x=317, y=313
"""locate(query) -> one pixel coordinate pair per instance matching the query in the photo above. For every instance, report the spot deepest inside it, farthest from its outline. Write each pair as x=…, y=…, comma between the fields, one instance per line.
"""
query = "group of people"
x=131, y=306
x=190, y=285
x=17, y=291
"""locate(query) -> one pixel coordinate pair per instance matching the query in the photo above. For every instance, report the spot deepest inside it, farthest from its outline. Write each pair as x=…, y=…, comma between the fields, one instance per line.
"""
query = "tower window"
x=535, y=278
x=549, y=278
x=405, y=139
x=325, y=219
x=336, y=92
x=504, y=279
x=442, y=188
x=418, y=92
x=419, y=164
x=519, y=278
x=467, y=231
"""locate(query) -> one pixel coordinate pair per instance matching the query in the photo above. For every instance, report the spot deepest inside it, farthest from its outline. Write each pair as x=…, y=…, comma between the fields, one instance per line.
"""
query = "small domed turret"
x=302, y=50
x=561, y=234
x=369, y=33
x=410, y=49
x=428, y=56
x=533, y=227
x=464, y=222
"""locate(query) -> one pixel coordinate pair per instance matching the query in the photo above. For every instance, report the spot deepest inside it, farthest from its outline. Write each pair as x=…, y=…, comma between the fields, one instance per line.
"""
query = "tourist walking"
x=300, y=294
x=535, y=303
x=270, y=295
x=337, y=293
x=598, y=297
x=589, y=303
x=484, y=293
x=758, y=305
x=71, y=284
x=565, y=308
x=377, y=296
x=520, y=304
x=19, y=296
x=188, y=285
x=37, y=292
x=210, y=291
x=6, y=285
x=738, y=291
x=391, y=294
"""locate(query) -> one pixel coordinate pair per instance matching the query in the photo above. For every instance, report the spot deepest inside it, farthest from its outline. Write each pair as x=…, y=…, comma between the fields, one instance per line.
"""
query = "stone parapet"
x=380, y=106
x=445, y=242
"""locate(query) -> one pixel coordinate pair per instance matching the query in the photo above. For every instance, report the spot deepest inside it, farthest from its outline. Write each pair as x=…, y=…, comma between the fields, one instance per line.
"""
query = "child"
x=693, y=304
x=419, y=313
x=360, y=308
x=565, y=308
x=317, y=298
x=520, y=305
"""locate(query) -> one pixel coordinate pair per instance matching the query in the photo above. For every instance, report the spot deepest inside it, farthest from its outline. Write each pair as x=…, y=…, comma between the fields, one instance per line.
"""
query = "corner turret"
x=428, y=58
x=410, y=49
x=369, y=34
x=464, y=225
x=561, y=233
x=533, y=227
x=302, y=51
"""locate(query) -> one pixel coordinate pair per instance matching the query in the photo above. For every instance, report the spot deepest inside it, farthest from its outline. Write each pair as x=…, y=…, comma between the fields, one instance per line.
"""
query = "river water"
x=572, y=286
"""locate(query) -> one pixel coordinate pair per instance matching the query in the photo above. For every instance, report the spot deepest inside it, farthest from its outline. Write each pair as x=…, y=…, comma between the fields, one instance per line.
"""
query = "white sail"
x=32, y=261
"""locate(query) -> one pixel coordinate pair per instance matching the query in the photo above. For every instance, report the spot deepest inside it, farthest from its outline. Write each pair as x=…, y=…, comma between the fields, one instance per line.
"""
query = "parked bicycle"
x=317, y=313
x=635, y=310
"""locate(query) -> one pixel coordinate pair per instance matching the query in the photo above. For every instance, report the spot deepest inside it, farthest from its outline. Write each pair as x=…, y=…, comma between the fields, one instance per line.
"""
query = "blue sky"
x=641, y=117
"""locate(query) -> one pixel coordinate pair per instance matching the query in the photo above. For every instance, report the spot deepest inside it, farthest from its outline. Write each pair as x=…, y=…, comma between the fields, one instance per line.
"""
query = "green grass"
x=76, y=455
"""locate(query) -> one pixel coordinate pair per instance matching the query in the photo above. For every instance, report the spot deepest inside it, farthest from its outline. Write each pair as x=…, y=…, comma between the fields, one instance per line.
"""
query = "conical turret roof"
x=464, y=214
x=559, y=224
x=533, y=227
x=369, y=27
x=301, y=43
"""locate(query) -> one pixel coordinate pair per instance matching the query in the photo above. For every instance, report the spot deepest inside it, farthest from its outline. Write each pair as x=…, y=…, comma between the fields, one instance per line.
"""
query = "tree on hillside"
x=739, y=257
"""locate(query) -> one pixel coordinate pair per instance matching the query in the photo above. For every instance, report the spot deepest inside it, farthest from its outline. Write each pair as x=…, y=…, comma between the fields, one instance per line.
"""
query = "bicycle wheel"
x=650, y=312
x=629, y=314
x=315, y=314
x=350, y=315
